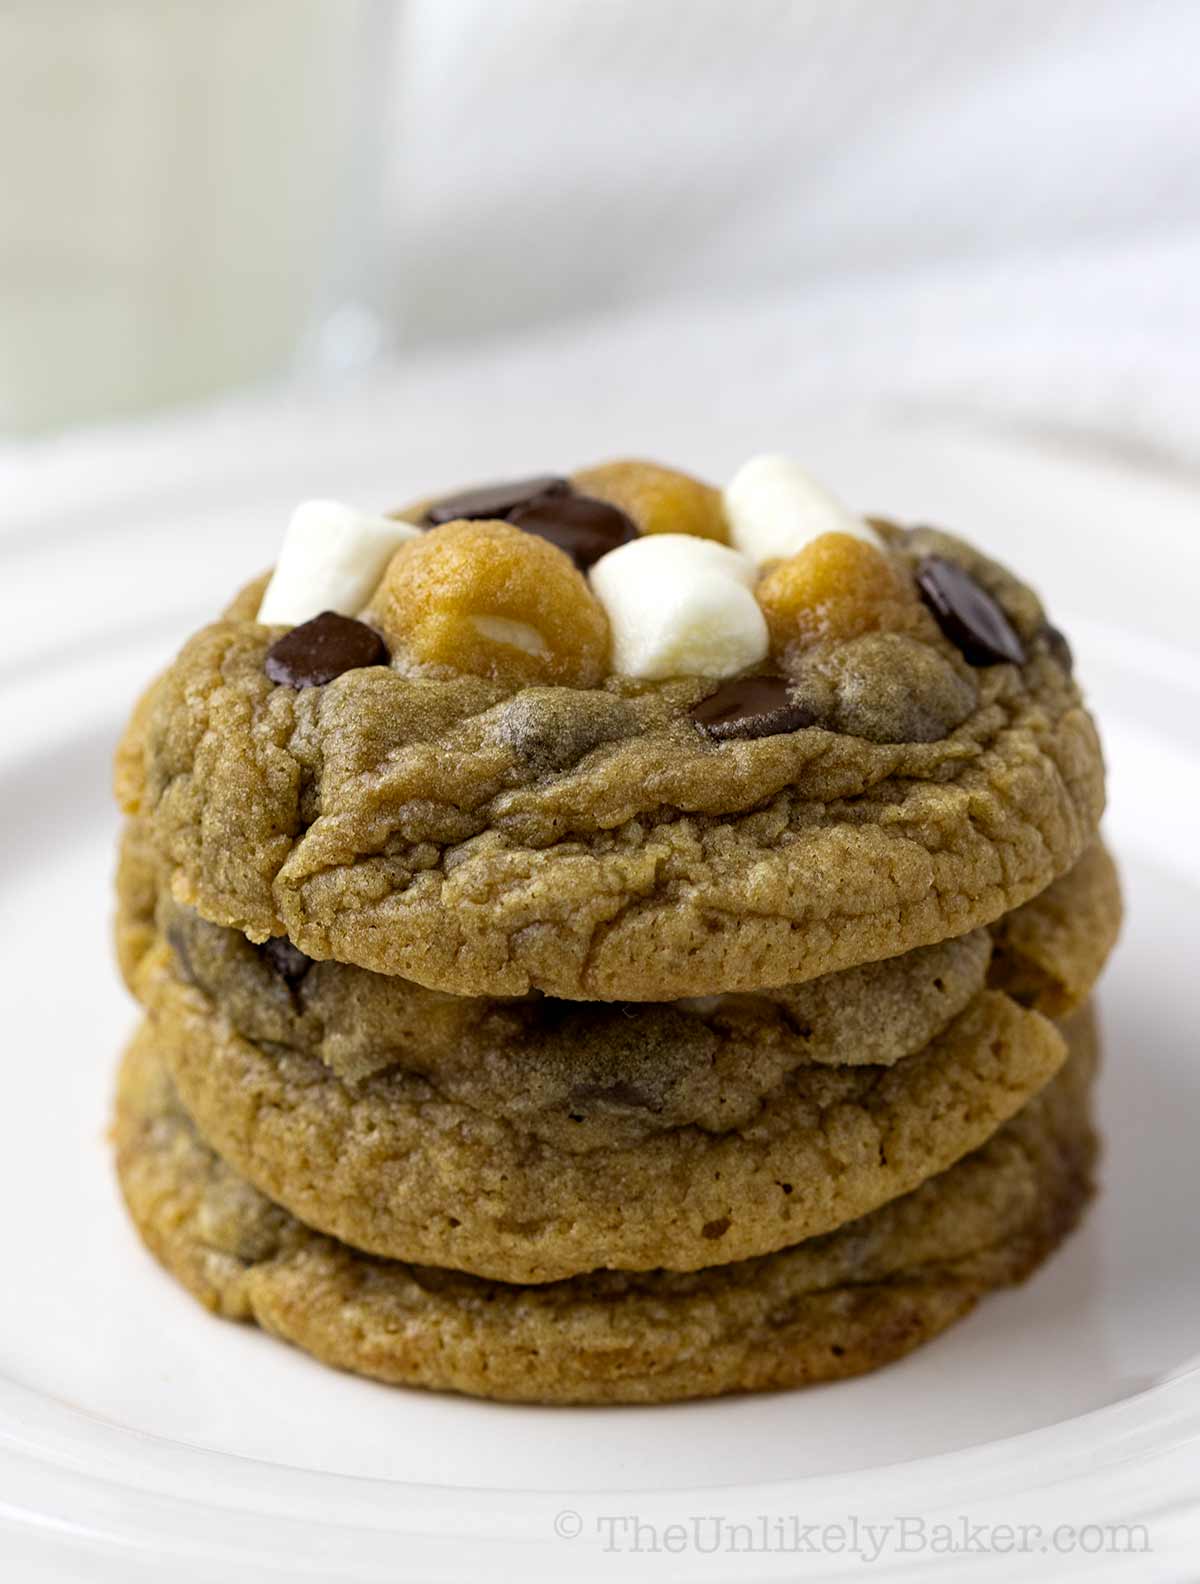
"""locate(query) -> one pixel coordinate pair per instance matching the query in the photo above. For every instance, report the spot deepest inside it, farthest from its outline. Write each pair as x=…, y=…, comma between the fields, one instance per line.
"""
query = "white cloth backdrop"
x=698, y=228
x=981, y=206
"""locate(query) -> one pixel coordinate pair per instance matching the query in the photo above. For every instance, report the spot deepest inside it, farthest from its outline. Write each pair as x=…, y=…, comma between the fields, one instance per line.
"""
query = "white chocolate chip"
x=774, y=509
x=519, y=634
x=332, y=558
x=678, y=605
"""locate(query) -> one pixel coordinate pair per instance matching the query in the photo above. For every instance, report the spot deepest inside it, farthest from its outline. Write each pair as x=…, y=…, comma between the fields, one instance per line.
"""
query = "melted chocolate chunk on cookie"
x=321, y=649
x=967, y=614
x=495, y=501
x=288, y=961
x=1057, y=647
x=553, y=728
x=584, y=527
x=747, y=707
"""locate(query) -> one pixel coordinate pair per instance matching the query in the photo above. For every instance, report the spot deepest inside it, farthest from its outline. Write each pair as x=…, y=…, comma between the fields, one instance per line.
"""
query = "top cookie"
x=621, y=737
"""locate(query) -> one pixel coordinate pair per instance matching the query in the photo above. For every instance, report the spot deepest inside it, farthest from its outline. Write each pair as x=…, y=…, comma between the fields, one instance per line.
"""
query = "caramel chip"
x=491, y=600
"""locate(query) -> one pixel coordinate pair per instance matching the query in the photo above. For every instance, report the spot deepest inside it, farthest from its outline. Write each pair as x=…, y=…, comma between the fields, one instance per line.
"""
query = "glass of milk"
x=187, y=197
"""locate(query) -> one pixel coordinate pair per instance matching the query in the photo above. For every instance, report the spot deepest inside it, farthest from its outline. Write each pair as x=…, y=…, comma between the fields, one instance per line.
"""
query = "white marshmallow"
x=667, y=551
x=332, y=558
x=678, y=605
x=774, y=509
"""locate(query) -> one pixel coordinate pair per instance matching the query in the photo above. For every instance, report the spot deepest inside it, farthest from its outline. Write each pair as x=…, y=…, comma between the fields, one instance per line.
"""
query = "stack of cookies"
x=612, y=939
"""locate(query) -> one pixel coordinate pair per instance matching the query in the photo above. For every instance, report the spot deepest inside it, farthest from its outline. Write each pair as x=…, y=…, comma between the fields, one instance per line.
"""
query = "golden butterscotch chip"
x=837, y=587
x=658, y=499
x=487, y=599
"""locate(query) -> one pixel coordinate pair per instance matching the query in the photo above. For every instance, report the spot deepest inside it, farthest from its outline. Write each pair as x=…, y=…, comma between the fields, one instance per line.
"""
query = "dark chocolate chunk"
x=547, y=506
x=967, y=614
x=288, y=961
x=758, y=706
x=321, y=649
x=1057, y=646
x=495, y=500
x=582, y=526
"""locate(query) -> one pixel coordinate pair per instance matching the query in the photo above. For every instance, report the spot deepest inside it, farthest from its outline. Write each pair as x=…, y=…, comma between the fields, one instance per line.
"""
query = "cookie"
x=696, y=1054
x=832, y=1307
x=403, y=1165
x=497, y=810
x=560, y=1107
x=691, y=1061
x=1049, y=954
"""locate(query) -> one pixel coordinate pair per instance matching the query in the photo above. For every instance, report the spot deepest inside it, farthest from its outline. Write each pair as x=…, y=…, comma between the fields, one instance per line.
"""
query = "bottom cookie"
x=834, y=1306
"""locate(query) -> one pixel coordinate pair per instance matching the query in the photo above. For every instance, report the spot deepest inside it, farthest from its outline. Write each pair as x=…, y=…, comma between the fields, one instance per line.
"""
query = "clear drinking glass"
x=187, y=196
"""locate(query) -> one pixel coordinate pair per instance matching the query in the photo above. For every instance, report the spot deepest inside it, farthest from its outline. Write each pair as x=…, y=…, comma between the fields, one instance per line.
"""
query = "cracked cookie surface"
x=578, y=1073
x=834, y=1306
x=396, y=1167
x=358, y=1022
x=533, y=1141
x=594, y=842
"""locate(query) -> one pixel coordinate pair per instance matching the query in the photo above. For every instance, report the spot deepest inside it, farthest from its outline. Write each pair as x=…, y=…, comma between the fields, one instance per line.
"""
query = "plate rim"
x=1136, y=1457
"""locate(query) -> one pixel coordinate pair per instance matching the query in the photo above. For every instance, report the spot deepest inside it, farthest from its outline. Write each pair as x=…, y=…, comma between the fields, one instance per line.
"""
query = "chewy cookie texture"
x=496, y=810
x=608, y=938
x=530, y=1142
x=832, y=1307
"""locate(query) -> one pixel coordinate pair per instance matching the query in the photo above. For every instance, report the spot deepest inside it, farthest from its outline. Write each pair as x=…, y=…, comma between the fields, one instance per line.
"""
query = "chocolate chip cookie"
x=533, y=1142
x=697, y=1059
x=606, y=938
x=664, y=770
x=831, y=1307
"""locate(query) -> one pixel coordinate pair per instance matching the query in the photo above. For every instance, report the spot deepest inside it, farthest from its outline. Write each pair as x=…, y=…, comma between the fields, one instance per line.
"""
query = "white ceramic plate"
x=138, y=1436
